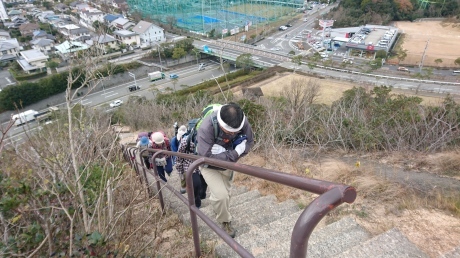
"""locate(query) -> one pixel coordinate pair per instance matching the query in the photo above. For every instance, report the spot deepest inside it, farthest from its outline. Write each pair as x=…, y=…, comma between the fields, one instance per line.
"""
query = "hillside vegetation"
x=351, y=13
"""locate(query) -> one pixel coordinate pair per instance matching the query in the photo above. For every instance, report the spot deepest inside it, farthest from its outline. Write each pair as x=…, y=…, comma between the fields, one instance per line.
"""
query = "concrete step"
x=327, y=241
x=389, y=244
x=264, y=232
x=453, y=254
x=238, y=195
x=273, y=240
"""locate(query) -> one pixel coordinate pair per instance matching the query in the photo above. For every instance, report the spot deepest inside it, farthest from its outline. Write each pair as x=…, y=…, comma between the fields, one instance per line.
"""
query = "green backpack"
x=195, y=123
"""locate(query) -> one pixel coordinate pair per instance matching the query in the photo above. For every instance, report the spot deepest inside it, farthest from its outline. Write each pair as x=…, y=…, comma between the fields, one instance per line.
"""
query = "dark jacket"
x=205, y=140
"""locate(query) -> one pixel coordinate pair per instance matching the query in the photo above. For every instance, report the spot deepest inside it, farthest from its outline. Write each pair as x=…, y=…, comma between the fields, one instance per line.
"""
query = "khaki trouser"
x=219, y=183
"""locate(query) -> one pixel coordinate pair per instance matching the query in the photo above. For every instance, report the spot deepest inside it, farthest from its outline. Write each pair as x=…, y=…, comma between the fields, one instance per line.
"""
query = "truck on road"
x=156, y=76
x=24, y=117
x=45, y=115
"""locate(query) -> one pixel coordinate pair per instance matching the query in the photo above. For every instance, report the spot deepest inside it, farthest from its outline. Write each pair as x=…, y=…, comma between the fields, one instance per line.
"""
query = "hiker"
x=199, y=184
x=142, y=144
x=162, y=161
x=233, y=125
x=175, y=141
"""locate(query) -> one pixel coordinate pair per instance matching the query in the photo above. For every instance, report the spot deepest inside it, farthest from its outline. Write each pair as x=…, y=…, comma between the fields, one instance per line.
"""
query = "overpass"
x=230, y=50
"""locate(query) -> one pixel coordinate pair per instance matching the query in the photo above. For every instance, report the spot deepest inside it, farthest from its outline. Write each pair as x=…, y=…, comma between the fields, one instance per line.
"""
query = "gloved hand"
x=241, y=147
x=217, y=149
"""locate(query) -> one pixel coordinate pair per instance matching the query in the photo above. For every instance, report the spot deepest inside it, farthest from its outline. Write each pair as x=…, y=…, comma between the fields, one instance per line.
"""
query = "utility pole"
x=423, y=56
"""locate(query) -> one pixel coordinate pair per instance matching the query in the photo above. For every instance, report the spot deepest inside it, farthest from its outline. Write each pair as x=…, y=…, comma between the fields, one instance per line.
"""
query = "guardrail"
x=384, y=76
x=331, y=196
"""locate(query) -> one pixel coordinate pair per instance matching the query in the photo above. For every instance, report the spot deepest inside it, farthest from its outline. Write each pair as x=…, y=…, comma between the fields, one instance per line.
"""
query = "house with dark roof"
x=44, y=45
x=9, y=50
x=105, y=41
x=149, y=33
x=111, y=17
x=27, y=29
x=32, y=61
x=41, y=34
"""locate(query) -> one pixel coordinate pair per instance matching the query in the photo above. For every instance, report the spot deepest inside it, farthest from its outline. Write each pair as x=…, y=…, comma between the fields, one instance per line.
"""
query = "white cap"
x=181, y=131
x=158, y=138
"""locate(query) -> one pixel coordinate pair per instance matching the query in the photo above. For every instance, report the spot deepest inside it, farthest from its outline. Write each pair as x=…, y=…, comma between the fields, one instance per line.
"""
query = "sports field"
x=267, y=11
x=443, y=40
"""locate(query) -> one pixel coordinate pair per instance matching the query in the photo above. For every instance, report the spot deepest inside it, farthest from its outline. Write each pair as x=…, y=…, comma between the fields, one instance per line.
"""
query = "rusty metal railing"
x=330, y=196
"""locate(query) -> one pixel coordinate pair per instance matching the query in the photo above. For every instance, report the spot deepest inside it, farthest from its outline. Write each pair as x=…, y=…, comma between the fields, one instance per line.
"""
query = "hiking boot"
x=183, y=190
x=227, y=226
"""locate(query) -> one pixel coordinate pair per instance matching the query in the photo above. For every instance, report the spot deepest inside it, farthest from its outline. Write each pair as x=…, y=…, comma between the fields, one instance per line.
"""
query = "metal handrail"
x=331, y=195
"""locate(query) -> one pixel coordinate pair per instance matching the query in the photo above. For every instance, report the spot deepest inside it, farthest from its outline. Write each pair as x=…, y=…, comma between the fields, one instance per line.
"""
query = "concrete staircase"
x=264, y=228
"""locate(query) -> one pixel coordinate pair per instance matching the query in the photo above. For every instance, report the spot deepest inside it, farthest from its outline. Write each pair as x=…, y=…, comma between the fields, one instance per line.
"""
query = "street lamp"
x=134, y=76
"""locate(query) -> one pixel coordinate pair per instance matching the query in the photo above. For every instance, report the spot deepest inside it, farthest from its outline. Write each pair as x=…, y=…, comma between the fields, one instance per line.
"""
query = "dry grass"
x=381, y=204
x=443, y=42
x=449, y=165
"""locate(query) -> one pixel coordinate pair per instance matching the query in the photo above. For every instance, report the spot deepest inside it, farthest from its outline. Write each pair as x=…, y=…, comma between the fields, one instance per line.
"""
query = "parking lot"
x=5, y=79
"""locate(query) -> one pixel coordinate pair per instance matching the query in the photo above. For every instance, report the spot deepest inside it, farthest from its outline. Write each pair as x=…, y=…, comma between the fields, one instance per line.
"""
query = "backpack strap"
x=216, y=126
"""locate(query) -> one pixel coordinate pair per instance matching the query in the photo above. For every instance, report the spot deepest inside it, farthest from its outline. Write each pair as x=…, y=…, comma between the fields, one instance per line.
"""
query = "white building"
x=74, y=32
x=89, y=16
x=127, y=37
x=149, y=33
x=3, y=14
x=32, y=60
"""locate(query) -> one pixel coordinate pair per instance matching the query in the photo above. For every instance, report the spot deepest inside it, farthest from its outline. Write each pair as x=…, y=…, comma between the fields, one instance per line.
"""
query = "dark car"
x=133, y=88
x=288, y=25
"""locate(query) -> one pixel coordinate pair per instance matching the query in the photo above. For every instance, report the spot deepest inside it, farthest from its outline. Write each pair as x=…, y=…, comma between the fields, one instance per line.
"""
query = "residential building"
x=109, y=18
x=89, y=16
x=4, y=35
x=46, y=46
x=14, y=12
x=74, y=32
x=149, y=33
x=32, y=61
x=41, y=34
x=122, y=24
x=9, y=50
x=74, y=4
x=3, y=13
x=69, y=48
x=27, y=29
x=118, y=3
x=127, y=37
x=60, y=7
x=46, y=16
x=105, y=41
x=82, y=6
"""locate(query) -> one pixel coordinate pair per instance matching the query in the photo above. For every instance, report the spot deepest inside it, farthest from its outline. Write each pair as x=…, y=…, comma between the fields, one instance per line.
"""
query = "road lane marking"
x=107, y=92
x=108, y=96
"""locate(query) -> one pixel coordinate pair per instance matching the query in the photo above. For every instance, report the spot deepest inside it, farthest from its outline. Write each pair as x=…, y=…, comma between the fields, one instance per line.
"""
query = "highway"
x=187, y=76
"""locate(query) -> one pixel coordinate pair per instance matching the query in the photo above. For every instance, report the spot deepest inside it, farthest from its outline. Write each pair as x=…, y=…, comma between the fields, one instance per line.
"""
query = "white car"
x=116, y=103
x=275, y=48
x=324, y=55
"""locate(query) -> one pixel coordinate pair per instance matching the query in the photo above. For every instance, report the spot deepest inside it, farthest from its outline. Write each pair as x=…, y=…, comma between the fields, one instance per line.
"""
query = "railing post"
x=313, y=214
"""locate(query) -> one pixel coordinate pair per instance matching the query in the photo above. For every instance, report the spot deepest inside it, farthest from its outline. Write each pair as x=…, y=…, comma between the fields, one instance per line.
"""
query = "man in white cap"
x=233, y=124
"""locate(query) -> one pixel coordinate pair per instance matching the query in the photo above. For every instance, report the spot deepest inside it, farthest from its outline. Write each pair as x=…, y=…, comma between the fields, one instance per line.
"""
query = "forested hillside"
x=360, y=12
